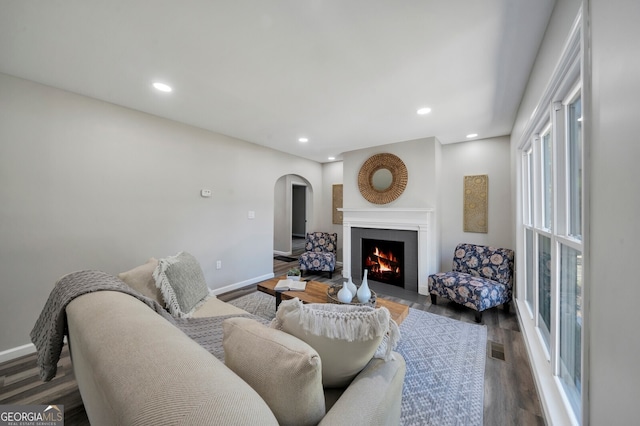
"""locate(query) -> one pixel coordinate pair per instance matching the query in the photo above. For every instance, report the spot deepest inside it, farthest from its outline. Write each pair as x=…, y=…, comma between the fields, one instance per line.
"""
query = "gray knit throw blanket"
x=51, y=327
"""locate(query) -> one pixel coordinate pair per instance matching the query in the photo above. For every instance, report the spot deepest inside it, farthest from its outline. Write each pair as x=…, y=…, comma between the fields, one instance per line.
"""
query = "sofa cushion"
x=182, y=283
x=471, y=291
x=141, y=280
x=345, y=336
x=285, y=371
x=215, y=307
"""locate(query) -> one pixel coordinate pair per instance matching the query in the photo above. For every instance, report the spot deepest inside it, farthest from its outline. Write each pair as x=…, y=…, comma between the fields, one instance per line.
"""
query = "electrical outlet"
x=205, y=193
x=251, y=215
x=219, y=264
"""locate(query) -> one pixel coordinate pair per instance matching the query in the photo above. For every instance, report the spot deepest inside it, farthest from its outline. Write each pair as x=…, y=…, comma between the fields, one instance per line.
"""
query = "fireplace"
x=390, y=256
x=384, y=260
x=420, y=244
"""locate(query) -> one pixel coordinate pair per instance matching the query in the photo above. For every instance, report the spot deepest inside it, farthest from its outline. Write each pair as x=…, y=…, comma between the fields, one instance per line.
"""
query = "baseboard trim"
x=281, y=253
x=17, y=352
x=242, y=284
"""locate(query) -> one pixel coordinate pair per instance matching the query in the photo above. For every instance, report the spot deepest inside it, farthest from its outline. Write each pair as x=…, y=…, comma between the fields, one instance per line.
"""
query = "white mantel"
x=412, y=219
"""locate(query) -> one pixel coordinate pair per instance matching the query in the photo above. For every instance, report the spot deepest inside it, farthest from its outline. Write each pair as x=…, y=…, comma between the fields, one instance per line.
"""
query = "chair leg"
x=433, y=298
x=506, y=307
x=330, y=274
x=478, y=316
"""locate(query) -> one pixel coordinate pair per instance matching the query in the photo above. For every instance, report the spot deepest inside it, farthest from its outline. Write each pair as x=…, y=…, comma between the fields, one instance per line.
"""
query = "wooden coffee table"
x=316, y=292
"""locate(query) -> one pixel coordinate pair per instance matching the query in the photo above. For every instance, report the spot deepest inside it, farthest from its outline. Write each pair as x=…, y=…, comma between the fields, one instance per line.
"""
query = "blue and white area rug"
x=444, y=383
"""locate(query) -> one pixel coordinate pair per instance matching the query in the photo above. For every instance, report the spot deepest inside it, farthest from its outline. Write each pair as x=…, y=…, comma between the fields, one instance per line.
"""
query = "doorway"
x=298, y=211
x=293, y=210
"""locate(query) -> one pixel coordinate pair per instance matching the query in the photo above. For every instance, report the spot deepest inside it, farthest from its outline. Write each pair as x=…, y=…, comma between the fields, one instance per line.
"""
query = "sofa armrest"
x=133, y=367
x=374, y=397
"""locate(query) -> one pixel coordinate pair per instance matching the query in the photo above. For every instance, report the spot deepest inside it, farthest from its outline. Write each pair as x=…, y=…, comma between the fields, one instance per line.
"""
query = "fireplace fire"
x=384, y=260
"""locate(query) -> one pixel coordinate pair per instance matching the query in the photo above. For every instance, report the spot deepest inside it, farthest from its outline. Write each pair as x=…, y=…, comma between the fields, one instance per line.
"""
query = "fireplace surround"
x=419, y=220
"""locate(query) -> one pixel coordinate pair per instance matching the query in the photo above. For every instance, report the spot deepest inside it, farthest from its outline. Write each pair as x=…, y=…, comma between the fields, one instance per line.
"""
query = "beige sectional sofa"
x=134, y=367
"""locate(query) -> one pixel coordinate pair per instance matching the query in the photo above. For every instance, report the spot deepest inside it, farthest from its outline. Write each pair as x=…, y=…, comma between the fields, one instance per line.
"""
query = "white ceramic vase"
x=352, y=287
x=344, y=295
x=364, y=293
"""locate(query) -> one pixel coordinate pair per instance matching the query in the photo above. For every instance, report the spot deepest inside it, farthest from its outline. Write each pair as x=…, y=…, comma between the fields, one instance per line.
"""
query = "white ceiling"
x=347, y=74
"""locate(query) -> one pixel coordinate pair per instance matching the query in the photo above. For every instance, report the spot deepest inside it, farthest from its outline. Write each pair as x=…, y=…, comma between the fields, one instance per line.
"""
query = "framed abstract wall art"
x=476, y=202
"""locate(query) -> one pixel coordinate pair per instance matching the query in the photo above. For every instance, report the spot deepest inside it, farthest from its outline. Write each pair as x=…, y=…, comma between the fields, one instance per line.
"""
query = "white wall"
x=480, y=157
x=86, y=184
x=615, y=214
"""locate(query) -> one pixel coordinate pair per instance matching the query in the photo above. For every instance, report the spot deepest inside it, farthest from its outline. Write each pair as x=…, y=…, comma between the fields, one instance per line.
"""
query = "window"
x=571, y=324
x=547, y=181
x=526, y=190
x=575, y=168
x=544, y=287
x=552, y=222
x=528, y=236
x=552, y=244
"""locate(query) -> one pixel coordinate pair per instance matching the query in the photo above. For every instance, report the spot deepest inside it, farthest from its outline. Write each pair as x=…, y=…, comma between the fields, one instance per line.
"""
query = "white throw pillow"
x=285, y=371
x=345, y=336
x=181, y=281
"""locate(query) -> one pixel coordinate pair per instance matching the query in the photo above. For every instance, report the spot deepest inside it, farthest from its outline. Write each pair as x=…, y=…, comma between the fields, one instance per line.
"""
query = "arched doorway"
x=293, y=208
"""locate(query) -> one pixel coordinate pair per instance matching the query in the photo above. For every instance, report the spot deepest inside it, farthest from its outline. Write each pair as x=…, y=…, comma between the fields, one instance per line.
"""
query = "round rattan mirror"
x=382, y=178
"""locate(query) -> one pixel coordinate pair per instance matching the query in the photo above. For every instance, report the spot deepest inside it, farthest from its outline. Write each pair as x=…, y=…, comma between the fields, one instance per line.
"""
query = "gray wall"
x=281, y=226
x=480, y=157
x=420, y=158
x=86, y=184
x=615, y=213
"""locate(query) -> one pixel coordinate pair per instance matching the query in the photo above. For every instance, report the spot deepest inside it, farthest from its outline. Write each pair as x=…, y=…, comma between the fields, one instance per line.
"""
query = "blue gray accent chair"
x=482, y=278
x=320, y=253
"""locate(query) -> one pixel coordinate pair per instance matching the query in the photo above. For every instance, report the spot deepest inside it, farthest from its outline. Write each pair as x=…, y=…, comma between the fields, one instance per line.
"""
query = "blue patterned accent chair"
x=482, y=277
x=320, y=253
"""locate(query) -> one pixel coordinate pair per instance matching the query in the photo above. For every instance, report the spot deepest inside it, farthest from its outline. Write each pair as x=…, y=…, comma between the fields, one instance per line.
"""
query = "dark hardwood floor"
x=510, y=394
x=20, y=384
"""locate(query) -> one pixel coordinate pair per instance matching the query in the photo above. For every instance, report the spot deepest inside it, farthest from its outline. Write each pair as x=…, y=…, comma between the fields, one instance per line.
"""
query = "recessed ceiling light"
x=331, y=158
x=423, y=111
x=162, y=87
x=303, y=140
x=472, y=135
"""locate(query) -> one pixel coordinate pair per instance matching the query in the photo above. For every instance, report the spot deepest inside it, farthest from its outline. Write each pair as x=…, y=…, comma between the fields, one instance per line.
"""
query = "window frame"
x=552, y=112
